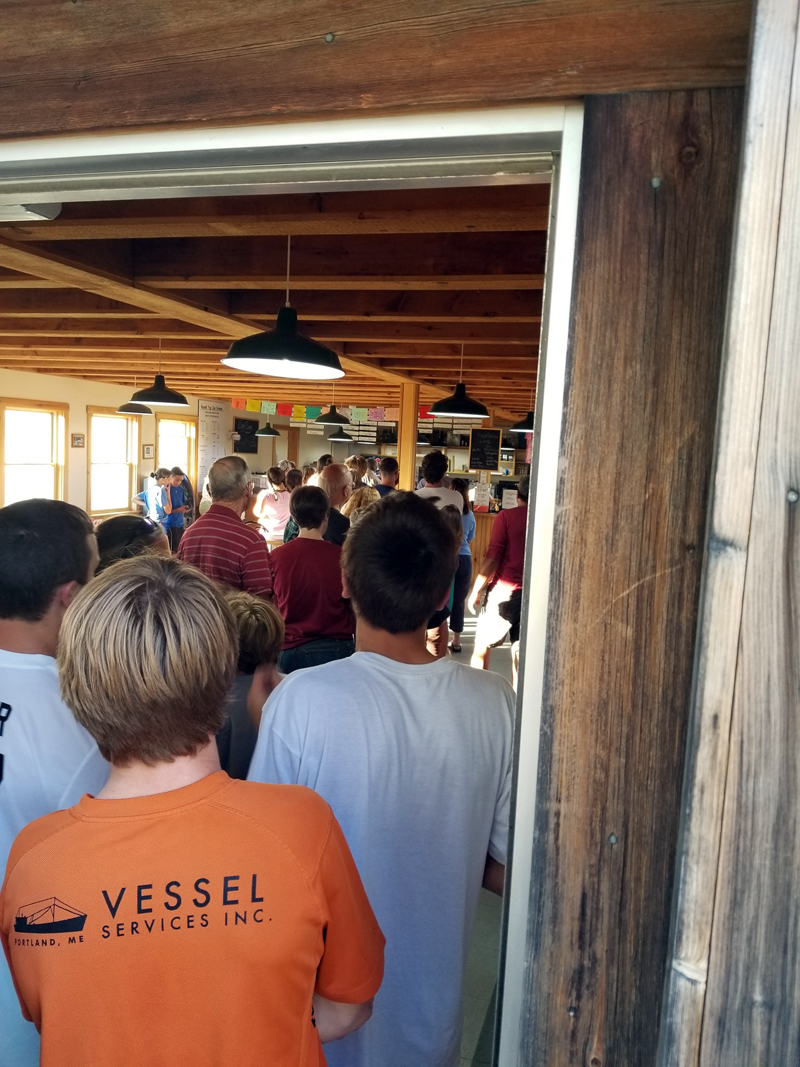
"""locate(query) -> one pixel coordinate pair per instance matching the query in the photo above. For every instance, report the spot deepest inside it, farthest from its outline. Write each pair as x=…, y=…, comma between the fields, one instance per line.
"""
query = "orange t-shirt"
x=190, y=927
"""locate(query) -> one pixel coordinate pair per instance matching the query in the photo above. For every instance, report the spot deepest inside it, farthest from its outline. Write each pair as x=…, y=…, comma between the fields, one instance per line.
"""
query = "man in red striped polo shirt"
x=219, y=544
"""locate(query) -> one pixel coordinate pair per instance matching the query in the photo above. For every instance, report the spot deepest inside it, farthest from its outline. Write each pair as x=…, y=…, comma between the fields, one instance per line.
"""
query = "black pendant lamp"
x=526, y=424
x=133, y=409
x=331, y=417
x=158, y=393
x=267, y=431
x=283, y=352
x=459, y=405
x=340, y=435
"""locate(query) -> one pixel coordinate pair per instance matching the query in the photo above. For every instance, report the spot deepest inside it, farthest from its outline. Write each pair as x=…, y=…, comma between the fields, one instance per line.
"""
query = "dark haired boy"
x=47, y=761
x=414, y=756
x=434, y=472
x=389, y=471
x=307, y=587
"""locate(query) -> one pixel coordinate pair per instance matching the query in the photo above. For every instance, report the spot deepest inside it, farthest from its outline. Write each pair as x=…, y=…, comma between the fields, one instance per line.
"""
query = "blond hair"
x=361, y=498
x=146, y=656
x=260, y=627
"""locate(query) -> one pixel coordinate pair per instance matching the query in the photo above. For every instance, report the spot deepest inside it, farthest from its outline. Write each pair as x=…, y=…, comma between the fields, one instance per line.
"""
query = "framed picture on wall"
x=79, y=440
x=148, y=451
x=246, y=429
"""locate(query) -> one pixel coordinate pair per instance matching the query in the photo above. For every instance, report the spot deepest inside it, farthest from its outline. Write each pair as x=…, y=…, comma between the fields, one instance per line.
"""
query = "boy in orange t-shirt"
x=179, y=917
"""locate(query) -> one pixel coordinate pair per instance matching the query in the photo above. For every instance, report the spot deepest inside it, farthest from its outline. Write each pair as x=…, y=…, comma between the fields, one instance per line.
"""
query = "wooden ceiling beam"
x=410, y=350
x=408, y=306
x=335, y=223
x=347, y=282
x=327, y=332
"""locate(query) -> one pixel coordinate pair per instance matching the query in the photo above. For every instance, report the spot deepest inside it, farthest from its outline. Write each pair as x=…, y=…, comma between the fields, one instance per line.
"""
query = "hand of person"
x=472, y=603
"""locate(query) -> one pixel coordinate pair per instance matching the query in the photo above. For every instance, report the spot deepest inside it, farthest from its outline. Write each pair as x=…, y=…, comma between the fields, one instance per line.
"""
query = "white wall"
x=80, y=394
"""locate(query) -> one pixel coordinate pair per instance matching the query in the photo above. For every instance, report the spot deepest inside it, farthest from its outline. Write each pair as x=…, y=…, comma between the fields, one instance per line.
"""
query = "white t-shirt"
x=446, y=496
x=415, y=761
x=47, y=762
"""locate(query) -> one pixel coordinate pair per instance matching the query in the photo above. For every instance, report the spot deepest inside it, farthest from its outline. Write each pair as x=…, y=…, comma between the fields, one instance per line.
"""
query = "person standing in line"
x=464, y=571
x=434, y=469
x=414, y=756
x=307, y=580
x=48, y=551
x=219, y=543
x=126, y=536
x=174, y=521
x=308, y=473
x=186, y=485
x=294, y=479
x=272, y=507
x=174, y=874
x=373, y=478
x=155, y=499
x=261, y=632
x=501, y=570
x=335, y=481
x=323, y=462
x=389, y=470
x=358, y=467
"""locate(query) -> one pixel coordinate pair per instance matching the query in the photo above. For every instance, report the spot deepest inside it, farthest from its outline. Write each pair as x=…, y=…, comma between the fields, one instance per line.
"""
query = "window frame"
x=57, y=410
x=193, y=420
x=134, y=423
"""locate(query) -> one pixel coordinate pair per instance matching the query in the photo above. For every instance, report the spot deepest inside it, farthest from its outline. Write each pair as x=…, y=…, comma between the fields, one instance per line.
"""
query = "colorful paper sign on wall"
x=252, y=405
x=312, y=412
x=358, y=414
x=298, y=411
x=268, y=407
x=391, y=414
x=238, y=403
x=376, y=414
x=423, y=412
x=284, y=409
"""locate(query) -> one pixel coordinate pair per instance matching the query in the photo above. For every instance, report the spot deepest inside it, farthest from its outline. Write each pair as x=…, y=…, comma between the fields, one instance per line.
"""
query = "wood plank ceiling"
x=395, y=282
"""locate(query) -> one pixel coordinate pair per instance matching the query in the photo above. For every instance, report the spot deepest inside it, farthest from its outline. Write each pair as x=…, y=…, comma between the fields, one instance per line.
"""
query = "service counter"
x=484, y=522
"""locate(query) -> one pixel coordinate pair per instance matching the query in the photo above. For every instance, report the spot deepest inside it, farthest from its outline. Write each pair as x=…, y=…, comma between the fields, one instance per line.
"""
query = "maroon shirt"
x=226, y=551
x=308, y=591
x=507, y=546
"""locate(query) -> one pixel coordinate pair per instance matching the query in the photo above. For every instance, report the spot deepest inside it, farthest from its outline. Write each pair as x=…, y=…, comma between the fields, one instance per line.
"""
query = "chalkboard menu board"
x=484, y=450
x=246, y=428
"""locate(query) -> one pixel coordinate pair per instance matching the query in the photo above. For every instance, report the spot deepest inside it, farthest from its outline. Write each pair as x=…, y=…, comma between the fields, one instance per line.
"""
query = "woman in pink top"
x=273, y=505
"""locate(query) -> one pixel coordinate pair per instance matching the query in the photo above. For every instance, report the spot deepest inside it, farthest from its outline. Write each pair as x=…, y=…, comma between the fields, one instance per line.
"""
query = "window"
x=113, y=460
x=32, y=450
x=177, y=439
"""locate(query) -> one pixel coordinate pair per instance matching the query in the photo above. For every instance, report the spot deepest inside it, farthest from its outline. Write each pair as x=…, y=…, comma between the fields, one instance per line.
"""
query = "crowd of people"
x=162, y=698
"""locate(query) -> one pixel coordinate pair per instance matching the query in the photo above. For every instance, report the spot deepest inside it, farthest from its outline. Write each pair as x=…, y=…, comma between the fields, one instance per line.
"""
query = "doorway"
x=480, y=150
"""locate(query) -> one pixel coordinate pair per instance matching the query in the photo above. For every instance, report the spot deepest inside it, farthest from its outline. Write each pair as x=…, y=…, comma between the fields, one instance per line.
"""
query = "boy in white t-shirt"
x=47, y=761
x=414, y=756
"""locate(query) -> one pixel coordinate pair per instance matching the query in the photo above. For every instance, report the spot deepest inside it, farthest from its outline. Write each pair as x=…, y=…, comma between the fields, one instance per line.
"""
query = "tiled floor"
x=481, y=978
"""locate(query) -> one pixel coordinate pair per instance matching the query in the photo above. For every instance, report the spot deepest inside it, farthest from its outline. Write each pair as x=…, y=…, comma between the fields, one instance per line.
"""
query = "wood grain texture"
x=111, y=65
x=648, y=315
x=729, y=530
x=752, y=1011
x=407, y=436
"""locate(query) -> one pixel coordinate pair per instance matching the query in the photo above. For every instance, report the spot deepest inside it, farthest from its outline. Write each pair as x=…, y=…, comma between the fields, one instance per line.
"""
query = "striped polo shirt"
x=226, y=551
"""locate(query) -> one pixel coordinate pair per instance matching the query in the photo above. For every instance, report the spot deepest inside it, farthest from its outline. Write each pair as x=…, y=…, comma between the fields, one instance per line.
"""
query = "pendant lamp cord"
x=288, y=264
x=461, y=364
x=159, y=355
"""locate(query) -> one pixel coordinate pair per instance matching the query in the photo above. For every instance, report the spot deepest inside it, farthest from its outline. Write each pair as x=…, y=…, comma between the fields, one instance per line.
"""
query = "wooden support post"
x=654, y=233
x=293, y=445
x=407, y=435
x=733, y=990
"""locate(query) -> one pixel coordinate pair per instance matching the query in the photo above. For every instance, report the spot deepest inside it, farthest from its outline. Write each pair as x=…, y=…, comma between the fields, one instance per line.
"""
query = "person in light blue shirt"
x=463, y=577
x=155, y=498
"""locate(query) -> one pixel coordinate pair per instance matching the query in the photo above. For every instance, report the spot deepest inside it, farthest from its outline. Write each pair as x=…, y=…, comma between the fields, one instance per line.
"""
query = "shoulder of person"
x=295, y=814
x=36, y=833
x=486, y=688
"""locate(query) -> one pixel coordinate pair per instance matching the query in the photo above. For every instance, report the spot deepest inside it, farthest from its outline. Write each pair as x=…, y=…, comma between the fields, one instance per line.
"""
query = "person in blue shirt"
x=155, y=498
x=174, y=522
x=464, y=572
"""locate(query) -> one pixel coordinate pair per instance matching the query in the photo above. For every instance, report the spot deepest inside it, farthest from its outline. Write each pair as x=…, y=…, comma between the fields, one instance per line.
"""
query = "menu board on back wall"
x=211, y=438
x=484, y=449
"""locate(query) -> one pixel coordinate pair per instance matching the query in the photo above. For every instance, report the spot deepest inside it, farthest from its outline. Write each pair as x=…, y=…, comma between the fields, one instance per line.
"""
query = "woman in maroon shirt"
x=307, y=588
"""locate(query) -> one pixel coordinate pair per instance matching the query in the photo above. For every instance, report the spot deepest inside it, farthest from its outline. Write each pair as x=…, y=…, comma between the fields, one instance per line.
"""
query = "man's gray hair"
x=228, y=478
x=334, y=476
